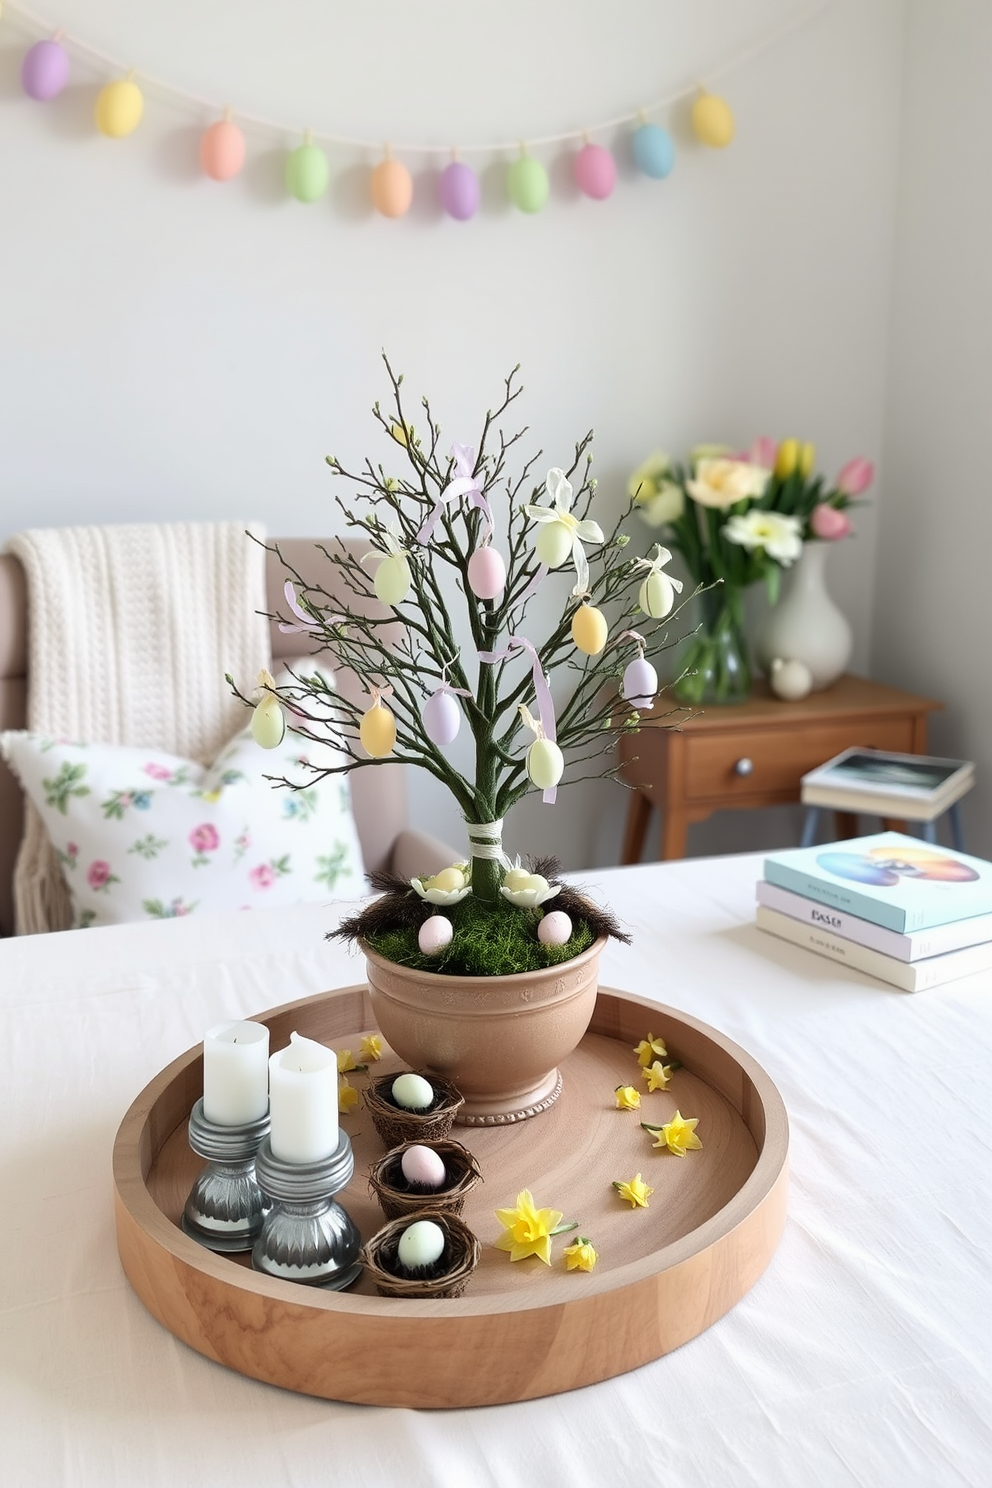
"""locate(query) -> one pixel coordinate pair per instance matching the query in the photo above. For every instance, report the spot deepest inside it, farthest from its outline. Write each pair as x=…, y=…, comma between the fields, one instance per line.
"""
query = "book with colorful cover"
x=914, y=945
x=919, y=787
x=908, y=976
x=894, y=880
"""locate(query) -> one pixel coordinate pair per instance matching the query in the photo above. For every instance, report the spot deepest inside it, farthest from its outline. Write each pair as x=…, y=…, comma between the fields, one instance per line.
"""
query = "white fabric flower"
x=527, y=890
x=559, y=488
x=780, y=536
x=450, y=886
x=722, y=483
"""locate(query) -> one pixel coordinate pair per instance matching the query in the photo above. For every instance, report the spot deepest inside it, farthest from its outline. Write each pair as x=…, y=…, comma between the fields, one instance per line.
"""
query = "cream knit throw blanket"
x=130, y=632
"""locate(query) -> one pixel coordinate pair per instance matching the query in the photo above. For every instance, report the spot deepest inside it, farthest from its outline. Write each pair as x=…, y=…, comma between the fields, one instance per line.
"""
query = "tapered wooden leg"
x=674, y=831
x=635, y=830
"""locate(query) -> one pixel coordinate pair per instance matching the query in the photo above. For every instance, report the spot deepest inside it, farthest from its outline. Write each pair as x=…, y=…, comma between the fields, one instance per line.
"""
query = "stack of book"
x=911, y=913
x=911, y=787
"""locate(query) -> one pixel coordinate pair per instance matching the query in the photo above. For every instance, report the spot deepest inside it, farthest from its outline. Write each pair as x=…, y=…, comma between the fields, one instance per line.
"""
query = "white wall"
x=174, y=348
x=931, y=622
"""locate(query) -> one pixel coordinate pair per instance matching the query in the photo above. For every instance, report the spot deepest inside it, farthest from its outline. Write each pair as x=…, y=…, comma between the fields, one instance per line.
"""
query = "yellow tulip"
x=807, y=455
x=787, y=458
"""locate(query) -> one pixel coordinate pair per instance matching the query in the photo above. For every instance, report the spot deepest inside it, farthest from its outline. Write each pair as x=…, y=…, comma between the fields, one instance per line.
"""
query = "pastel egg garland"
x=307, y=172
x=222, y=150
x=391, y=186
x=119, y=107
x=527, y=184
x=713, y=121
x=459, y=191
x=45, y=70
x=654, y=152
x=595, y=172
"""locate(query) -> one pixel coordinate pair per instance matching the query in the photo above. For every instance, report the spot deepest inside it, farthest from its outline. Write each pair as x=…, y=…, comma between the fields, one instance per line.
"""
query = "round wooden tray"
x=522, y=1329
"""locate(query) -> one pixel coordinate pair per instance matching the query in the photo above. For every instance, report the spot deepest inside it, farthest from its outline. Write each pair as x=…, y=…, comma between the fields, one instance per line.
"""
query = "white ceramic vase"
x=806, y=625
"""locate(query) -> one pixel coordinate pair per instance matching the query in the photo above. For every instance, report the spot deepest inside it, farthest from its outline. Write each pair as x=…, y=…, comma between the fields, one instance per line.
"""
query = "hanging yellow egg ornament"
x=713, y=121
x=377, y=731
x=119, y=107
x=268, y=723
x=589, y=629
x=392, y=579
x=545, y=763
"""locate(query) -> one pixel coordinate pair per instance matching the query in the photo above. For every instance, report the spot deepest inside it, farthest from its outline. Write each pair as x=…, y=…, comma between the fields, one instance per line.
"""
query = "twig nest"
x=790, y=680
x=555, y=929
x=450, y=1273
x=397, y=1126
x=399, y=1196
x=434, y=935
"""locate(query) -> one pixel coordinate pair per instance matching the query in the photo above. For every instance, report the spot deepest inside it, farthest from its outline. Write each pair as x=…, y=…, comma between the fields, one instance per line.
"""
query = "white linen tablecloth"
x=862, y=1356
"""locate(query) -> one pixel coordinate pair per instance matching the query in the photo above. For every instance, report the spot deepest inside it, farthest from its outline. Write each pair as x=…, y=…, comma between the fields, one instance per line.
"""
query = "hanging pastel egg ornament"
x=392, y=579
x=555, y=929
x=656, y=595
x=268, y=723
x=307, y=172
x=459, y=191
x=441, y=717
x=595, y=171
x=553, y=543
x=377, y=730
x=527, y=184
x=222, y=150
x=392, y=188
x=654, y=152
x=589, y=629
x=119, y=107
x=713, y=121
x=486, y=573
x=545, y=763
x=45, y=70
x=640, y=683
x=435, y=935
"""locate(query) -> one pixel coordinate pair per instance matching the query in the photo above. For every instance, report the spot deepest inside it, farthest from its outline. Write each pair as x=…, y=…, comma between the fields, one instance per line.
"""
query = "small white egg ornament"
x=441, y=717
x=640, y=683
x=412, y=1092
x=421, y=1244
x=545, y=763
x=435, y=935
x=423, y=1167
x=486, y=573
x=790, y=680
x=268, y=723
x=555, y=929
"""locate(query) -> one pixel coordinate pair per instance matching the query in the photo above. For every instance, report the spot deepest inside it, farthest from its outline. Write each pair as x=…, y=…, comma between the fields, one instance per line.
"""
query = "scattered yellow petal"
x=345, y=1061
x=581, y=1256
x=628, y=1099
x=636, y=1192
x=527, y=1230
x=650, y=1048
x=371, y=1047
x=347, y=1095
x=678, y=1135
x=658, y=1075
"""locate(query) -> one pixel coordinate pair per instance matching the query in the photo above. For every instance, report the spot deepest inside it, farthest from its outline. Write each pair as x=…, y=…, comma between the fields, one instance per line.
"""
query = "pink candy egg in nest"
x=486, y=573
x=423, y=1168
x=555, y=928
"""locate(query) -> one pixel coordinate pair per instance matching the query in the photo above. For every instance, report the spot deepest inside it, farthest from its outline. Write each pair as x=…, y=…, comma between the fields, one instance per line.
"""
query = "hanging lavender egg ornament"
x=458, y=188
x=486, y=573
x=441, y=717
x=44, y=71
x=640, y=683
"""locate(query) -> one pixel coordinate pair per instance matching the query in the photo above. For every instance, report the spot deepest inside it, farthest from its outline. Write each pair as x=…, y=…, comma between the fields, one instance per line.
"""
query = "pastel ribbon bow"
x=310, y=622
x=542, y=692
x=464, y=483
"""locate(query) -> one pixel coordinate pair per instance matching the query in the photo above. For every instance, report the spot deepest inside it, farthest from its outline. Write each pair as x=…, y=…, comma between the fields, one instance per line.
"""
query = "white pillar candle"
x=303, y=1091
x=235, y=1073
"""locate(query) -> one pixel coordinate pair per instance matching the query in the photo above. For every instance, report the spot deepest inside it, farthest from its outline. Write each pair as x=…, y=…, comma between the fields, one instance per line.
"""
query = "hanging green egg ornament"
x=589, y=629
x=307, y=172
x=268, y=723
x=377, y=731
x=553, y=543
x=392, y=579
x=656, y=595
x=527, y=184
x=545, y=763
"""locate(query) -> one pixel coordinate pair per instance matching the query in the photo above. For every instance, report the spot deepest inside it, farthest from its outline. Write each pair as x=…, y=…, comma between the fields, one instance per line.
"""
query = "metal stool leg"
x=957, y=836
x=928, y=831
x=809, y=826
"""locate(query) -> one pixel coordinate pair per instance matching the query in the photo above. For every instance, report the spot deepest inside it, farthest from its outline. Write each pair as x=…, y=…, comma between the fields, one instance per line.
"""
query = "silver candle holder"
x=226, y=1207
x=307, y=1236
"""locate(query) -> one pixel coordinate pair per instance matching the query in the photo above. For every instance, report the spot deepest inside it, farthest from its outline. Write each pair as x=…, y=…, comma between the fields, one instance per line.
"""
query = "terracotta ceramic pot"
x=498, y=1038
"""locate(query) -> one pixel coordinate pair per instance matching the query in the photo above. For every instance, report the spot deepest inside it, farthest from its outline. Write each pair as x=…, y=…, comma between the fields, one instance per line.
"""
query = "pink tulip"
x=829, y=523
x=856, y=476
x=762, y=452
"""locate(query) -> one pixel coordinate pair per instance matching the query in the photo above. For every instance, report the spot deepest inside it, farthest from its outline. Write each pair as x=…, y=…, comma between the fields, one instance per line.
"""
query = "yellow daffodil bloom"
x=628, y=1099
x=370, y=1048
x=527, y=1230
x=345, y=1061
x=658, y=1075
x=636, y=1192
x=581, y=1256
x=678, y=1135
x=347, y=1095
x=651, y=1048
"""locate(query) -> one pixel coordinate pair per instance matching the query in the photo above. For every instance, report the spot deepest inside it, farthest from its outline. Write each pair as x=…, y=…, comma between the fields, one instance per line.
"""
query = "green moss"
x=489, y=940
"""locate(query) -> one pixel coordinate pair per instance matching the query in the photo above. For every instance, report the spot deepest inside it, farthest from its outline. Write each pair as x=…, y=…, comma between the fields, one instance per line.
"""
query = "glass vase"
x=714, y=664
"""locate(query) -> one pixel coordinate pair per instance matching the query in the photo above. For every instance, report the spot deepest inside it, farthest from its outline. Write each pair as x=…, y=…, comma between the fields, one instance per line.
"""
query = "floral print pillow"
x=142, y=834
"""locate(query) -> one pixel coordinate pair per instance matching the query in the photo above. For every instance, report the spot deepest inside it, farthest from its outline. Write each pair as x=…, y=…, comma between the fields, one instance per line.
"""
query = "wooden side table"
x=741, y=756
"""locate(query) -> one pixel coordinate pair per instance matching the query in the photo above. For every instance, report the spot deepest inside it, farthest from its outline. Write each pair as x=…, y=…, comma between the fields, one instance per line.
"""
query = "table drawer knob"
x=744, y=766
